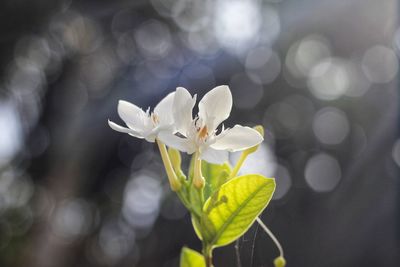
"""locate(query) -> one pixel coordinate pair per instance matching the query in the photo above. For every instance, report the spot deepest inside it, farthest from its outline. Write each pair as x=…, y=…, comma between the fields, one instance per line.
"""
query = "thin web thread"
x=237, y=251
x=253, y=246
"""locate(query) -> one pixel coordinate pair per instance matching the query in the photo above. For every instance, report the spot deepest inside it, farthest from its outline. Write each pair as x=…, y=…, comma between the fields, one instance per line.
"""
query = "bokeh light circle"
x=329, y=79
x=263, y=65
x=322, y=172
x=380, y=64
x=331, y=126
x=283, y=182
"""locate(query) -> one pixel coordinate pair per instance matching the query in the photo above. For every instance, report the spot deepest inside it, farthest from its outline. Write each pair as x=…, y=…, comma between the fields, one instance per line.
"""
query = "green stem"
x=187, y=203
x=239, y=164
x=173, y=179
x=183, y=199
x=207, y=253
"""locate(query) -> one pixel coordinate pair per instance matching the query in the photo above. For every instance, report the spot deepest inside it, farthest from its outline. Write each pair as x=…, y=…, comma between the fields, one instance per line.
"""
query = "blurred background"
x=321, y=76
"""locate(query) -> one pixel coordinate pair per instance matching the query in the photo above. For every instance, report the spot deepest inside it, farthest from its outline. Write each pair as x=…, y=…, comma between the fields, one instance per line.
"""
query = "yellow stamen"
x=203, y=133
x=154, y=118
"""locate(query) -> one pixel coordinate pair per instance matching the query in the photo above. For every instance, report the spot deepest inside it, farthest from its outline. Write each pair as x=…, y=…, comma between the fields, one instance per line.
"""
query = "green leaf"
x=232, y=209
x=191, y=258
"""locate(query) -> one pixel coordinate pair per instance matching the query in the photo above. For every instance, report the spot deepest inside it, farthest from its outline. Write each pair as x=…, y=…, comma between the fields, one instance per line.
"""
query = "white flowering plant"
x=222, y=204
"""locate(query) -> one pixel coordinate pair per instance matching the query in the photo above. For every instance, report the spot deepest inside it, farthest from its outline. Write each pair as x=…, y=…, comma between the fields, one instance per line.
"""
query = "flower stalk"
x=173, y=179
x=239, y=164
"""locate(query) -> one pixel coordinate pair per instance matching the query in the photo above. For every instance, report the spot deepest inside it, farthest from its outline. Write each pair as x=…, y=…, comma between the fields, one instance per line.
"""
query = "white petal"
x=132, y=115
x=122, y=129
x=236, y=139
x=171, y=140
x=215, y=106
x=151, y=138
x=163, y=110
x=183, y=108
x=214, y=156
x=153, y=133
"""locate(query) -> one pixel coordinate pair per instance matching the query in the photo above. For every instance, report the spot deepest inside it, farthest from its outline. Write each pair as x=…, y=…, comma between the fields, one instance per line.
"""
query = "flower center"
x=203, y=133
x=154, y=118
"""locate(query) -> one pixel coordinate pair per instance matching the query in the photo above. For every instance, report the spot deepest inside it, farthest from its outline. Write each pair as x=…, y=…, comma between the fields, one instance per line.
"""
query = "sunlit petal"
x=163, y=110
x=214, y=156
x=215, y=106
x=122, y=129
x=237, y=138
x=183, y=108
x=132, y=115
x=171, y=140
x=151, y=138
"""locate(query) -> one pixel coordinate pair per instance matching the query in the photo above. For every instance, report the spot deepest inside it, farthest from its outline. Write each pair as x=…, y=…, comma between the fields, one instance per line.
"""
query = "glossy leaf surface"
x=231, y=210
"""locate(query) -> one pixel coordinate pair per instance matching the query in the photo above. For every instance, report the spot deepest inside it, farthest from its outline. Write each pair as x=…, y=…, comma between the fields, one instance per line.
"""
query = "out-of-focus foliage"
x=191, y=258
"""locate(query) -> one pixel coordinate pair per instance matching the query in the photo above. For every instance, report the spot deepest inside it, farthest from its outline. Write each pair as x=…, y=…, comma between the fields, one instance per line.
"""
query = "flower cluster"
x=172, y=123
x=219, y=215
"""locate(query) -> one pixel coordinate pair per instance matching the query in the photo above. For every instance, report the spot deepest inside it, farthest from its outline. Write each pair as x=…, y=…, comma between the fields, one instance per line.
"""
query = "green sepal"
x=196, y=227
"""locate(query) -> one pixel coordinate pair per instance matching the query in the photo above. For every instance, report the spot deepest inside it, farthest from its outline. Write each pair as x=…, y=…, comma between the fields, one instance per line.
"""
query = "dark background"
x=321, y=76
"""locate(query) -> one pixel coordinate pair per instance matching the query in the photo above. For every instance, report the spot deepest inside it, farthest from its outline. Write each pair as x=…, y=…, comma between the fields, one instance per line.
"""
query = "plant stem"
x=207, y=253
x=239, y=164
x=187, y=203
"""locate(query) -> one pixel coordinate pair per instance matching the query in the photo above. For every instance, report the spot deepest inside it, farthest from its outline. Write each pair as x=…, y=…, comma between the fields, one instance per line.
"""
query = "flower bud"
x=174, y=183
x=198, y=179
x=199, y=182
x=280, y=262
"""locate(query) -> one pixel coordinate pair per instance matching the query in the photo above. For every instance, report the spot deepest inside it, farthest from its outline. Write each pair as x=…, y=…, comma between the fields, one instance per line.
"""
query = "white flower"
x=200, y=134
x=145, y=124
